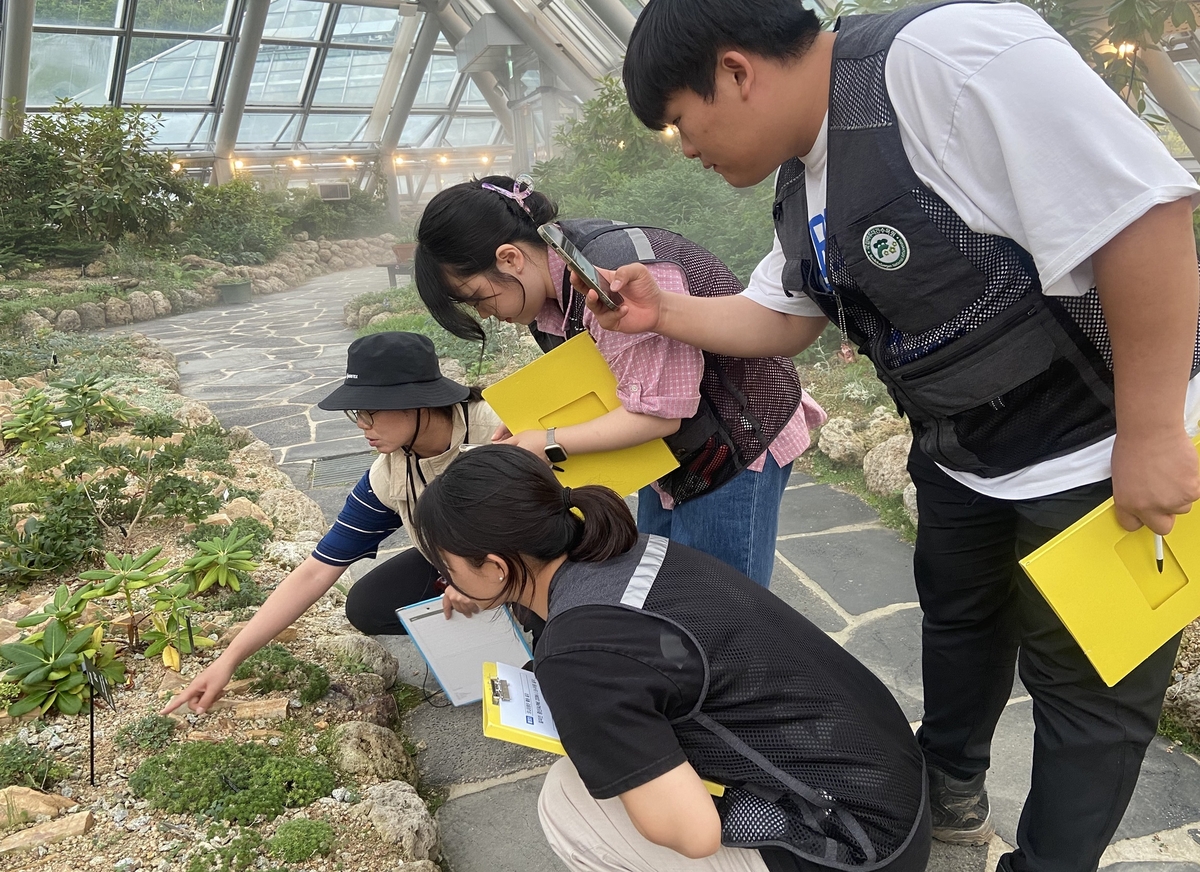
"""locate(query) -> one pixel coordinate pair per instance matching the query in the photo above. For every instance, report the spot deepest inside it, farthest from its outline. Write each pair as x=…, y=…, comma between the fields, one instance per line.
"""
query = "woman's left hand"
x=533, y=441
x=453, y=601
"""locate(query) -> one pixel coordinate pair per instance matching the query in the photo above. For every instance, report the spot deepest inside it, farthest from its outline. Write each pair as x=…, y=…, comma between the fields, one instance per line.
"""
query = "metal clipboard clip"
x=500, y=692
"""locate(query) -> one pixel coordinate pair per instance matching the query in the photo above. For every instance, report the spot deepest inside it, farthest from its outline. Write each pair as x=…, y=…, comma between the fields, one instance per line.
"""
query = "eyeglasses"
x=364, y=415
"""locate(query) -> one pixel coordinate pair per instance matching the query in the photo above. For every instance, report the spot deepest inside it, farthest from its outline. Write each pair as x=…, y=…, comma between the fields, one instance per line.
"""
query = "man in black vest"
x=985, y=220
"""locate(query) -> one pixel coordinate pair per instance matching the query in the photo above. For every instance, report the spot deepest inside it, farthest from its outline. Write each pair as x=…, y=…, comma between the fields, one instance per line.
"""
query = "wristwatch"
x=555, y=453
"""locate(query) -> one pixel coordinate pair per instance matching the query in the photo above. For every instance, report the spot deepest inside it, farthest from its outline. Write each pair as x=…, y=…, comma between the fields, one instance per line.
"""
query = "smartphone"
x=580, y=264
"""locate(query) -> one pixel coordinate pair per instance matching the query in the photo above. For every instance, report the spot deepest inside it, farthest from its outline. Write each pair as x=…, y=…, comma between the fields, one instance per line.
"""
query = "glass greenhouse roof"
x=319, y=76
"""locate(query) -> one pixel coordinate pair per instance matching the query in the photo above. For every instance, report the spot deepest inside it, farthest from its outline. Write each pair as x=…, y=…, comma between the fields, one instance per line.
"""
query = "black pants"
x=982, y=615
x=401, y=581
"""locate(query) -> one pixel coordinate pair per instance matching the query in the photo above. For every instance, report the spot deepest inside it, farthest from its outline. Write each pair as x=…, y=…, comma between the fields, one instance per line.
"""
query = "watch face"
x=556, y=454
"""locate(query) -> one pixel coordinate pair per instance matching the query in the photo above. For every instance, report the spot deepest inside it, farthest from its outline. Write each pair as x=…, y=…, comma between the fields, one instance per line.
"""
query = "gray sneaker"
x=961, y=814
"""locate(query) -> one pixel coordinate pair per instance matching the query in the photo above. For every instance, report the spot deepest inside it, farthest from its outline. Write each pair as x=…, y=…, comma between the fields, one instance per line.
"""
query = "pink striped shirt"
x=660, y=376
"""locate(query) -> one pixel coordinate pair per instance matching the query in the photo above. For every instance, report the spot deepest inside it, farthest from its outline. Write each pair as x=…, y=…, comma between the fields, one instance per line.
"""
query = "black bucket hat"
x=393, y=371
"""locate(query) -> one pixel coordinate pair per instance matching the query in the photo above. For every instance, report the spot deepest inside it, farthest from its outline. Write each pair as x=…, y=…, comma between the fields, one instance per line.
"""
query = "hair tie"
x=521, y=189
x=566, y=494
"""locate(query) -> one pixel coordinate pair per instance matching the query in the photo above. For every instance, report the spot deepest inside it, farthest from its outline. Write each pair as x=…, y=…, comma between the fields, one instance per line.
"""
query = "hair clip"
x=521, y=189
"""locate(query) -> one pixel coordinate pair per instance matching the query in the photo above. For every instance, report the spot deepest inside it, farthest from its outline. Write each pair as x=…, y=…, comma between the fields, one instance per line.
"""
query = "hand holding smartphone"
x=581, y=265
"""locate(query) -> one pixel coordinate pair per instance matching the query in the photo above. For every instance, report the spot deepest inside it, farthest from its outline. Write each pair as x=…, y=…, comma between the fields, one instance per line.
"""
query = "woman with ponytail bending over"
x=663, y=666
x=735, y=424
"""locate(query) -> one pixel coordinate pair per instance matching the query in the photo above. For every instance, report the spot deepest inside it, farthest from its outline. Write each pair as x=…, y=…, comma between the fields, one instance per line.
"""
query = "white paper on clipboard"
x=456, y=649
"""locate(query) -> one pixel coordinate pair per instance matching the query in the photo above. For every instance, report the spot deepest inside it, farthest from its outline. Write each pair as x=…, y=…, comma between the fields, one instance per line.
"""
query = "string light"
x=668, y=131
x=1126, y=48
x=485, y=159
x=399, y=160
x=237, y=164
x=349, y=161
x=443, y=159
x=297, y=163
x=176, y=167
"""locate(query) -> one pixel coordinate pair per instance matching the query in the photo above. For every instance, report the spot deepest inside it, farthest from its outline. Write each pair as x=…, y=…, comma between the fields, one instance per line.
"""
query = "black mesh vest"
x=815, y=755
x=744, y=403
x=993, y=374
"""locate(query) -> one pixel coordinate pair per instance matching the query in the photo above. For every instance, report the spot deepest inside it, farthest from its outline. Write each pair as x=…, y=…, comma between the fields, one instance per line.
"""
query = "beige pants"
x=596, y=835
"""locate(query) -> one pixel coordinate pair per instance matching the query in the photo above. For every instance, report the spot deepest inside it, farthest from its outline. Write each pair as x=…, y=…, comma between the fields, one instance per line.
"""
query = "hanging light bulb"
x=668, y=131
x=176, y=167
x=237, y=164
x=297, y=163
x=442, y=159
x=1125, y=49
x=349, y=161
x=399, y=160
x=485, y=159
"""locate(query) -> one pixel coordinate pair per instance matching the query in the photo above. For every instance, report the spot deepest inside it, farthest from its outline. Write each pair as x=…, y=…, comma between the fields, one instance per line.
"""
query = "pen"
x=1158, y=552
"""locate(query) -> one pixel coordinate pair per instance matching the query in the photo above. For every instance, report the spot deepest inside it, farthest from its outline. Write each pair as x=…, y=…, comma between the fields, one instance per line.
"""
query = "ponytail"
x=457, y=238
x=503, y=500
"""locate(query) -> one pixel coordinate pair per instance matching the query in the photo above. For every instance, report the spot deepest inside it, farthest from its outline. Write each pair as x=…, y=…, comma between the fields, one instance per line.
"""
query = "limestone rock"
x=881, y=426
x=244, y=508
x=49, y=832
x=31, y=322
x=141, y=306
x=910, y=502
x=31, y=803
x=91, y=316
x=194, y=261
x=218, y=519
x=419, y=866
x=273, y=709
x=364, y=698
x=257, y=453
x=292, y=510
x=127, y=284
x=47, y=313
x=840, y=442
x=884, y=467
x=194, y=413
x=357, y=648
x=68, y=321
x=117, y=311
x=95, y=269
x=380, y=318
x=452, y=370
x=287, y=634
x=400, y=817
x=162, y=306
x=289, y=554
x=375, y=752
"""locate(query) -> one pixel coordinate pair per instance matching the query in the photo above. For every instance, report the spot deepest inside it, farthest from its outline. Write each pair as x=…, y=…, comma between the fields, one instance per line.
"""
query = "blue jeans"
x=735, y=523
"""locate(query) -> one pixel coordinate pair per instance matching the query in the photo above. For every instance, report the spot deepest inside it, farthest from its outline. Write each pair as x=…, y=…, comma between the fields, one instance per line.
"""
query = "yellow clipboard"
x=1102, y=582
x=494, y=729
x=570, y=385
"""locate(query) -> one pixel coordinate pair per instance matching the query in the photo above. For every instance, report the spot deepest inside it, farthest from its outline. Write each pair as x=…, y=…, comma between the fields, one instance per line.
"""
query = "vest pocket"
x=906, y=266
x=973, y=371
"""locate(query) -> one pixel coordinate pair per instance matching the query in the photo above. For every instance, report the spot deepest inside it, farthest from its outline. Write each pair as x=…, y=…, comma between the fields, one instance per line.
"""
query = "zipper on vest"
x=969, y=344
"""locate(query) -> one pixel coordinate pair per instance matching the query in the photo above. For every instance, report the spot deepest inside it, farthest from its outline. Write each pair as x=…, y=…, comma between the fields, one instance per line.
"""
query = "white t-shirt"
x=1003, y=120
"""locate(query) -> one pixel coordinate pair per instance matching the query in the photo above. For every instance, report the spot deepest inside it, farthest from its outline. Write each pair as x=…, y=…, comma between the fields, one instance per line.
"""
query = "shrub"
x=299, y=840
x=150, y=732
x=229, y=781
x=67, y=534
x=156, y=424
x=29, y=766
x=274, y=668
x=364, y=214
x=207, y=442
x=239, y=855
x=231, y=220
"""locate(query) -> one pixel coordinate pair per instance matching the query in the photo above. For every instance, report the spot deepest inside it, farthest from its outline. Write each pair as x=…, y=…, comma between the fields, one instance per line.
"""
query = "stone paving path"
x=265, y=364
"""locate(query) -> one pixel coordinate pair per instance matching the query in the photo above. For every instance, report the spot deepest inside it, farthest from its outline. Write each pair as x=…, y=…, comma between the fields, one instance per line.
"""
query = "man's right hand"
x=205, y=689
x=642, y=310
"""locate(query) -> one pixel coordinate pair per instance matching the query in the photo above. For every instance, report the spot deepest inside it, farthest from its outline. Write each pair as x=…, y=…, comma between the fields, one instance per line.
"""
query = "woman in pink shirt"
x=734, y=424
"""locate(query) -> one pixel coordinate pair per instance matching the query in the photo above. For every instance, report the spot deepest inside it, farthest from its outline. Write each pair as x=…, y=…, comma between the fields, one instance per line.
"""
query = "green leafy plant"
x=151, y=732
x=232, y=219
x=274, y=668
x=126, y=575
x=35, y=421
x=170, y=635
x=157, y=424
x=219, y=561
x=66, y=535
x=29, y=766
x=183, y=497
x=240, y=854
x=298, y=840
x=48, y=663
x=83, y=402
x=229, y=781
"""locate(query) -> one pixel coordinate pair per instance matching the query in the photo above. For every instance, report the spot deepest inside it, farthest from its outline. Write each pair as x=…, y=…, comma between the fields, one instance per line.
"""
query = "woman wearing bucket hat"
x=418, y=420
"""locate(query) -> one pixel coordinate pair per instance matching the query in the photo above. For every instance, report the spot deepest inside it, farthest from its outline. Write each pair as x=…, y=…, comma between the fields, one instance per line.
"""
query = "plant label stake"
x=99, y=686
